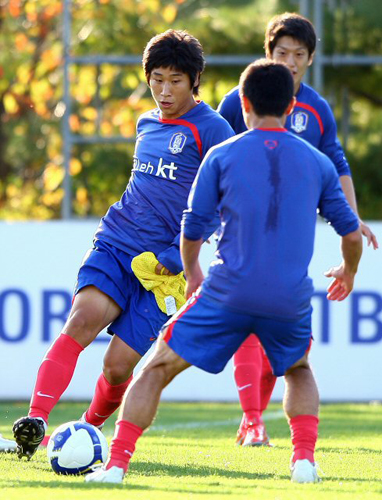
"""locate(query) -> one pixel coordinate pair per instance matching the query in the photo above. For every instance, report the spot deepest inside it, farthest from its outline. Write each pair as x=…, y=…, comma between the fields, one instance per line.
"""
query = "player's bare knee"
x=118, y=365
x=117, y=374
x=164, y=364
x=153, y=374
x=80, y=329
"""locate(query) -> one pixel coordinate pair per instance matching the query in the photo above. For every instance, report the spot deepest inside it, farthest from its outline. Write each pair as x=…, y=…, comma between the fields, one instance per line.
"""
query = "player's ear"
x=291, y=106
x=310, y=60
x=245, y=103
x=197, y=80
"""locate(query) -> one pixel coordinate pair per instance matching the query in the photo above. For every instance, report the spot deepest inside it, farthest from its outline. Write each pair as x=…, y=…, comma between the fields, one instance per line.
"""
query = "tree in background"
x=108, y=99
x=30, y=143
x=356, y=28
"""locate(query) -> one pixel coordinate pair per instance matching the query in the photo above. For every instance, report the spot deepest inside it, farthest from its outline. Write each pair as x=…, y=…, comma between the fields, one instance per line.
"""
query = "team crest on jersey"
x=271, y=144
x=177, y=143
x=299, y=121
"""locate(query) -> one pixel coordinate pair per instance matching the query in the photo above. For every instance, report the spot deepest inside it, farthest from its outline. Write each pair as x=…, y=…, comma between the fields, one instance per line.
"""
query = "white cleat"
x=100, y=475
x=7, y=445
x=304, y=471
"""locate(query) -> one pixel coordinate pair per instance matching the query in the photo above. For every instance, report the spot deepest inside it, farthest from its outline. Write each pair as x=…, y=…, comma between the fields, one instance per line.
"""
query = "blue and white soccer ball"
x=75, y=447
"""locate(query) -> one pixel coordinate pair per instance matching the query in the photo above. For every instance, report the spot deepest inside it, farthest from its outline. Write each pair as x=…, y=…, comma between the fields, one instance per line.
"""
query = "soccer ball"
x=75, y=447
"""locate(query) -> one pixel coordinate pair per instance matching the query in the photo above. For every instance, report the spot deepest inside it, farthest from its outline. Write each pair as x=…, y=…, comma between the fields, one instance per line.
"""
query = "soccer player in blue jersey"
x=267, y=184
x=171, y=143
x=290, y=39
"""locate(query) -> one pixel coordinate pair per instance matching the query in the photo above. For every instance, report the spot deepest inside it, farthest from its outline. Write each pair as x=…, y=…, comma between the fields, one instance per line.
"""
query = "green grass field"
x=190, y=454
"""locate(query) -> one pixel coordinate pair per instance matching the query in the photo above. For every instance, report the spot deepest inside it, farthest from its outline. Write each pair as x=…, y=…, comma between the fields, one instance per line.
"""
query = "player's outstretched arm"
x=344, y=274
x=369, y=235
x=348, y=189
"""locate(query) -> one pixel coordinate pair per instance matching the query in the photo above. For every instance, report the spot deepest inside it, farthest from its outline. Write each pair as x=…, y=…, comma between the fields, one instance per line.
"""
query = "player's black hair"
x=175, y=49
x=268, y=86
x=293, y=25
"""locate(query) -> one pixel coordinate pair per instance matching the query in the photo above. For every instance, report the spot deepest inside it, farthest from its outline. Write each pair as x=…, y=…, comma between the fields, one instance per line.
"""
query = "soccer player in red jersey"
x=267, y=185
x=289, y=39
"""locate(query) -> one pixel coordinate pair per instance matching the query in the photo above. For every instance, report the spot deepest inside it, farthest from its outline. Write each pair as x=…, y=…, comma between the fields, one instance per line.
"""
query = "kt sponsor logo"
x=166, y=171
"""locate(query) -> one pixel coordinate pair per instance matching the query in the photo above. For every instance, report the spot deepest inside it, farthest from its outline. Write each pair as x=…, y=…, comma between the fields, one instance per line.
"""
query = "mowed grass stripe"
x=275, y=415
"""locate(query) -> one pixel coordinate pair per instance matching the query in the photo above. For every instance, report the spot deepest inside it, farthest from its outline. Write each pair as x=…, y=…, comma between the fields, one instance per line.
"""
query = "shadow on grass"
x=126, y=485
x=64, y=484
x=187, y=470
x=150, y=470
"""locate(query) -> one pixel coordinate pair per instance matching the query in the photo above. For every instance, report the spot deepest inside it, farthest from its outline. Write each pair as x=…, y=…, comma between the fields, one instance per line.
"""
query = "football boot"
x=28, y=433
x=303, y=471
x=101, y=475
x=7, y=445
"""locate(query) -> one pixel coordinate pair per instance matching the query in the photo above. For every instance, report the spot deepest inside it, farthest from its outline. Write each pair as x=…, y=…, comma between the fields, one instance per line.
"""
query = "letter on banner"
x=359, y=318
x=24, y=315
x=325, y=338
x=49, y=315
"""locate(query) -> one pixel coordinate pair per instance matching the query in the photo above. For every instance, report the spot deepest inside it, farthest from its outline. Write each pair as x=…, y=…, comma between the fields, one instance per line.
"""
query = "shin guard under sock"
x=54, y=375
x=247, y=372
x=107, y=398
x=267, y=382
x=123, y=444
x=304, y=432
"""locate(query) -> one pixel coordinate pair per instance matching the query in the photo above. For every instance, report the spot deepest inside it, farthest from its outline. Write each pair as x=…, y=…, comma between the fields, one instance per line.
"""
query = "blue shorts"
x=205, y=334
x=109, y=269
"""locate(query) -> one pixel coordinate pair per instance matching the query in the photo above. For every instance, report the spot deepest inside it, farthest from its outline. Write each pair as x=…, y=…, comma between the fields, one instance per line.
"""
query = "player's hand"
x=160, y=269
x=194, y=281
x=369, y=235
x=342, y=284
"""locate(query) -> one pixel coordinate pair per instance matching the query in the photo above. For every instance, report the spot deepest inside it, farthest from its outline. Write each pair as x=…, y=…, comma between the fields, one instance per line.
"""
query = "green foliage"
x=365, y=154
x=190, y=453
x=356, y=29
x=108, y=100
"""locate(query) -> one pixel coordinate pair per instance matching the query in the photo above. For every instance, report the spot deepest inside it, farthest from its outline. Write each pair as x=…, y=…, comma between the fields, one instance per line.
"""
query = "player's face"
x=295, y=55
x=172, y=92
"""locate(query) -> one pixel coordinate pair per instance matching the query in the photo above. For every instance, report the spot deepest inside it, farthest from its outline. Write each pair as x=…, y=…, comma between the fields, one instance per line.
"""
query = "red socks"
x=107, y=398
x=267, y=381
x=254, y=378
x=304, y=432
x=54, y=375
x=247, y=372
x=123, y=444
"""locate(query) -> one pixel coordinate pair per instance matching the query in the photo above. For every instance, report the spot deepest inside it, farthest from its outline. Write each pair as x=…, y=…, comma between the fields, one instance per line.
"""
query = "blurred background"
x=89, y=100
x=71, y=89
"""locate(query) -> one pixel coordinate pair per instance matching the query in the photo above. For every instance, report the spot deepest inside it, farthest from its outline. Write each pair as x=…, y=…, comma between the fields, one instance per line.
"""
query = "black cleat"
x=28, y=433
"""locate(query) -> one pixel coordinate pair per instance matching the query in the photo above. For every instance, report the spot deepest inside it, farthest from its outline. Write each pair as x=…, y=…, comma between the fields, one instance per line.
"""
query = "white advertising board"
x=39, y=263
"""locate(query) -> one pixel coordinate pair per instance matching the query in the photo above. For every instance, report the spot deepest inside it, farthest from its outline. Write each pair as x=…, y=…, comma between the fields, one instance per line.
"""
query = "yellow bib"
x=162, y=286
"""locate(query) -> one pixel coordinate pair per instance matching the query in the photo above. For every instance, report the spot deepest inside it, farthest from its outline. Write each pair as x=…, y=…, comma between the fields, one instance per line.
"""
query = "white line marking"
x=275, y=415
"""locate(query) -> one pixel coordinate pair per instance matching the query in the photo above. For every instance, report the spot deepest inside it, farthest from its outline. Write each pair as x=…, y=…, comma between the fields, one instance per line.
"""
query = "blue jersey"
x=167, y=156
x=312, y=119
x=268, y=185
